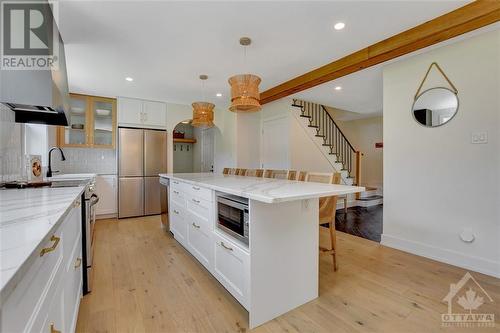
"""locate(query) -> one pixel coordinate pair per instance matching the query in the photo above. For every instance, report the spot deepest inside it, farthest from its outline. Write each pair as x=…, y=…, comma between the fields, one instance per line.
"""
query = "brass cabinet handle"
x=226, y=247
x=54, y=239
x=196, y=226
x=176, y=212
x=196, y=188
x=53, y=330
x=196, y=201
x=78, y=262
x=176, y=192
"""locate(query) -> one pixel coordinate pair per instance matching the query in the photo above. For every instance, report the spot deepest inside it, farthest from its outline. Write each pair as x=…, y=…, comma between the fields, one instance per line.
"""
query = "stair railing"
x=333, y=137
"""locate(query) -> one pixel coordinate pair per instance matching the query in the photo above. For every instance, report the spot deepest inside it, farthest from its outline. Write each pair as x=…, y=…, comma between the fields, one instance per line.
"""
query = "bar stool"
x=327, y=209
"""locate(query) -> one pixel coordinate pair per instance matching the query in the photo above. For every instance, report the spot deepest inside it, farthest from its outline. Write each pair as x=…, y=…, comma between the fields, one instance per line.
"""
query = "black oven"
x=232, y=216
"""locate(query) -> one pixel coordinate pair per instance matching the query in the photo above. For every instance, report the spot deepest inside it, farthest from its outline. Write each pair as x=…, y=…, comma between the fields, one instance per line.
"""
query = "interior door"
x=131, y=197
x=130, y=152
x=155, y=153
x=152, y=195
x=275, y=144
x=207, y=150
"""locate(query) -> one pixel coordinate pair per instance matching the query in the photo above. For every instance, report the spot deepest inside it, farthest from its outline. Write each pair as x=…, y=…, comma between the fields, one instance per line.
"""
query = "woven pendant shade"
x=245, y=95
x=203, y=114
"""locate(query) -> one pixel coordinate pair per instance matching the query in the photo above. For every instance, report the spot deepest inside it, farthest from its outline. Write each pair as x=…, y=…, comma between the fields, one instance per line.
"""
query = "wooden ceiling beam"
x=462, y=20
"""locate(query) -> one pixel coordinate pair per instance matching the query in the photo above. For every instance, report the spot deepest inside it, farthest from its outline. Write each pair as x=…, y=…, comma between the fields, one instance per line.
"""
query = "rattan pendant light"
x=203, y=112
x=245, y=96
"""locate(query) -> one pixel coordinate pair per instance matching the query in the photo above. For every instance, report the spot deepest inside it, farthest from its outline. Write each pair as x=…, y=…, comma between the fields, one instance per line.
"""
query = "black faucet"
x=49, y=171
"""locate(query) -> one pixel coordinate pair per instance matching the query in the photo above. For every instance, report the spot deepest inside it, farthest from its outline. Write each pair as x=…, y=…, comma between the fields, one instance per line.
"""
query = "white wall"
x=436, y=183
x=183, y=153
x=248, y=129
x=363, y=134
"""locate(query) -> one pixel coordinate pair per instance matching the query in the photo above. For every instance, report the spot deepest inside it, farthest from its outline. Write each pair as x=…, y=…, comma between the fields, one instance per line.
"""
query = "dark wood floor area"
x=363, y=222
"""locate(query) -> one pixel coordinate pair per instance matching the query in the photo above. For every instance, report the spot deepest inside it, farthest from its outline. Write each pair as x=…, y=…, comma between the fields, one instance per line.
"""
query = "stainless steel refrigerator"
x=142, y=155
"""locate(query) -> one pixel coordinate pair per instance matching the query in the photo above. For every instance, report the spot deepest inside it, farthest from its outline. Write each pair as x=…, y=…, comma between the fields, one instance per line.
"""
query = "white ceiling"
x=164, y=46
x=361, y=92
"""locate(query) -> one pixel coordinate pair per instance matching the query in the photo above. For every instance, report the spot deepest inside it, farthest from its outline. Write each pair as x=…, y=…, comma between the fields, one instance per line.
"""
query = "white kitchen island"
x=278, y=270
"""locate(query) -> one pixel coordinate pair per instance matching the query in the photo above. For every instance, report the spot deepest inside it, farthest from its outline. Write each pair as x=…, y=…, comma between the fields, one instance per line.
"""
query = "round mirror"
x=435, y=107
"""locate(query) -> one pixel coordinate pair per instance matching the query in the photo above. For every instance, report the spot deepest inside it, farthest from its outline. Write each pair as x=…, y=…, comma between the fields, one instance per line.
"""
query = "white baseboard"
x=106, y=216
x=481, y=265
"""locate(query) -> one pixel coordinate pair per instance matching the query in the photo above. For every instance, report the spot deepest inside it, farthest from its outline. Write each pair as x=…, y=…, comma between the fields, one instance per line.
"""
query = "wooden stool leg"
x=333, y=239
x=345, y=205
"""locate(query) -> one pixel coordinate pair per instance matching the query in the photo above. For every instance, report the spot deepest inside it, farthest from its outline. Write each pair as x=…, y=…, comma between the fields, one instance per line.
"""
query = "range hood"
x=38, y=96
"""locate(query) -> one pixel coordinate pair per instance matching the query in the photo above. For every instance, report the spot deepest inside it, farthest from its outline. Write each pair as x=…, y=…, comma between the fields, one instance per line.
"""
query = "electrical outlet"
x=479, y=137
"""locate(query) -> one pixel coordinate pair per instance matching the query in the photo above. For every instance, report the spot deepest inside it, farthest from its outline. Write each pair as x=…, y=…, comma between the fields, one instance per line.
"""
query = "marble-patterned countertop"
x=263, y=189
x=28, y=217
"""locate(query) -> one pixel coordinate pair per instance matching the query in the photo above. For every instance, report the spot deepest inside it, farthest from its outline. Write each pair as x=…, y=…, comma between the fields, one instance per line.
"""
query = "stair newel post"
x=358, y=171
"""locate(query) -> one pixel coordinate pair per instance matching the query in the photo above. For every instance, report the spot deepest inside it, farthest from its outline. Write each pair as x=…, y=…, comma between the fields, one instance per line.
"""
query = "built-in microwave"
x=232, y=216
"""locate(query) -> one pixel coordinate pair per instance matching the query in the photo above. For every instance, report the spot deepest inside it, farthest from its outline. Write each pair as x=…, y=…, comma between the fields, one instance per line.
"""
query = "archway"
x=193, y=148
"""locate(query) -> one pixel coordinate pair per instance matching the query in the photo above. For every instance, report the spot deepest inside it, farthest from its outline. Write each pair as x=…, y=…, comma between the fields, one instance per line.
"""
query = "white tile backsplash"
x=85, y=160
x=10, y=146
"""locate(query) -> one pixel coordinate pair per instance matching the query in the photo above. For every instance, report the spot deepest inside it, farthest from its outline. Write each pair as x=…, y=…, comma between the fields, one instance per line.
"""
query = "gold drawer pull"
x=196, y=201
x=78, y=262
x=196, y=188
x=53, y=330
x=176, y=212
x=176, y=192
x=226, y=247
x=196, y=226
x=54, y=239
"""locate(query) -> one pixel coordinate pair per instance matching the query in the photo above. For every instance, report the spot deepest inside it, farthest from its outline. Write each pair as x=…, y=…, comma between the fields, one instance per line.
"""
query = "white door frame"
x=213, y=146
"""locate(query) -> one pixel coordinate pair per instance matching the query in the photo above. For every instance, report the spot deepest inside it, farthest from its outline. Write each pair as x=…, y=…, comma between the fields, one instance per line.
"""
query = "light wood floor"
x=144, y=281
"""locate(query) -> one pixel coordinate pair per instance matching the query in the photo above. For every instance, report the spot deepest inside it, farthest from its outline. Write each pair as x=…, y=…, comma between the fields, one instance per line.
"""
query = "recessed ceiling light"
x=218, y=95
x=338, y=88
x=339, y=26
x=129, y=79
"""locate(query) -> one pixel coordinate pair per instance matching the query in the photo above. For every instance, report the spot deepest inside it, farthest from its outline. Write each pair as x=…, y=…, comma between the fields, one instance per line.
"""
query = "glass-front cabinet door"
x=92, y=123
x=75, y=134
x=103, y=122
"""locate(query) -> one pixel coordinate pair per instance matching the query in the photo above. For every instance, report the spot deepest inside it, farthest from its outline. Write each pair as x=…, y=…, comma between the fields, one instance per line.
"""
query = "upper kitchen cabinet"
x=92, y=123
x=140, y=113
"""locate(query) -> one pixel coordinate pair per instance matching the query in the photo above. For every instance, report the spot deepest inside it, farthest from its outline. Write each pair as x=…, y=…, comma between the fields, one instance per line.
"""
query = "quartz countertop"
x=28, y=217
x=266, y=190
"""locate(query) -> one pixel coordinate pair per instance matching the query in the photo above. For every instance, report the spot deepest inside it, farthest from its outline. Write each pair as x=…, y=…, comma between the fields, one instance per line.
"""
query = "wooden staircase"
x=333, y=139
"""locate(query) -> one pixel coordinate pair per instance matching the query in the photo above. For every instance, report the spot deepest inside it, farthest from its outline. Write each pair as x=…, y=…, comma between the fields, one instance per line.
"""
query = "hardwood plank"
x=462, y=20
x=147, y=282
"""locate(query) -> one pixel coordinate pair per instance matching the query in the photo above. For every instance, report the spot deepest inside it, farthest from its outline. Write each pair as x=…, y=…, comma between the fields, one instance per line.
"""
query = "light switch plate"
x=479, y=137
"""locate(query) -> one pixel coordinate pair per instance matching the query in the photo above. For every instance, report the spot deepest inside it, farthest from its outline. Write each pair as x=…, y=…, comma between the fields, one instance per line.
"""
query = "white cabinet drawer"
x=197, y=191
x=28, y=306
x=177, y=195
x=178, y=224
x=200, y=240
x=199, y=207
x=71, y=229
x=232, y=268
x=19, y=309
x=73, y=288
